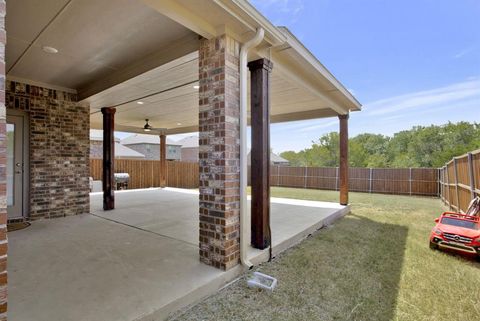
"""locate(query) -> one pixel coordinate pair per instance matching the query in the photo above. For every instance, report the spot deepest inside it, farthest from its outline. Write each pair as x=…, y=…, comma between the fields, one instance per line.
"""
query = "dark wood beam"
x=343, y=169
x=260, y=155
x=163, y=160
x=108, y=177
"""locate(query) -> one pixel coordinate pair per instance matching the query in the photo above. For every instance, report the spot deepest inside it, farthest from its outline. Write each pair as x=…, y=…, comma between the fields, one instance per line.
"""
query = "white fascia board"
x=250, y=17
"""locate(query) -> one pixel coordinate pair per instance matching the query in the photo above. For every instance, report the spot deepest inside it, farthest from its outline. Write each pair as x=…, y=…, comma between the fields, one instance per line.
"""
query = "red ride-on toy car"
x=457, y=232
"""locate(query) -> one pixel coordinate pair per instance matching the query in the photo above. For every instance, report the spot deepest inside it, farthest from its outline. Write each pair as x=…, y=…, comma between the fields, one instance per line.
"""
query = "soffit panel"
x=173, y=99
x=94, y=38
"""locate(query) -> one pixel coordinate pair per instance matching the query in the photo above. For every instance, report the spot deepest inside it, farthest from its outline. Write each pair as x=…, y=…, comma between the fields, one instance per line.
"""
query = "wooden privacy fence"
x=460, y=181
x=410, y=181
x=414, y=181
x=146, y=173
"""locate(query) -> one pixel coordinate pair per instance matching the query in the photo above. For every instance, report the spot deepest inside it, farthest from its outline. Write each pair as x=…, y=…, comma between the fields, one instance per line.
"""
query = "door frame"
x=26, y=160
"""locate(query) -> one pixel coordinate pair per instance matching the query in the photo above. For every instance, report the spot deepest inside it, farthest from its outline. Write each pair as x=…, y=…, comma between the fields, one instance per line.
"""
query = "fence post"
x=370, y=180
x=448, y=187
x=456, y=183
x=336, y=178
x=278, y=175
x=410, y=181
x=471, y=175
x=305, y=177
x=440, y=183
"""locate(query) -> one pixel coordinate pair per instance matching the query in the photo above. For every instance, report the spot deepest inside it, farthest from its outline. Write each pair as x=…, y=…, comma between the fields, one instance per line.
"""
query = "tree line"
x=421, y=146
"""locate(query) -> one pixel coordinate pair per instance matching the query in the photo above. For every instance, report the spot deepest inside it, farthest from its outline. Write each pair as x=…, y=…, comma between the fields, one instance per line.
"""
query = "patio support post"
x=219, y=151
x=260, y=155
x=343, y=159
x=163, y=160
x=108, y=177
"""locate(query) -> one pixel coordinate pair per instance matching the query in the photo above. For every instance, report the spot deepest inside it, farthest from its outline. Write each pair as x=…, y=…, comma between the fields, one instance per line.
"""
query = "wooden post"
x=410, y=181
x=343, y=159
x=456, y=184
x=278, y=175
x=471, y=175
x=305, y=177
x=440, y=183
x=163, y=160
x=370, y=181
x=440, y=179
x=260, y=154
x=336, y=178
x=448, y=187
x=108, y=177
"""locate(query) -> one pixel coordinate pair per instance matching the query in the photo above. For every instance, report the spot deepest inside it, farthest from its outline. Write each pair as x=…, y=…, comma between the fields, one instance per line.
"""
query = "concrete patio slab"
x=138, y=262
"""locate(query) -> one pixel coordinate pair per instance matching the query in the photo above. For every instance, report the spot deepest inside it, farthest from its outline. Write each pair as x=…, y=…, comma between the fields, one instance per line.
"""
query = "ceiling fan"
x=148, y=128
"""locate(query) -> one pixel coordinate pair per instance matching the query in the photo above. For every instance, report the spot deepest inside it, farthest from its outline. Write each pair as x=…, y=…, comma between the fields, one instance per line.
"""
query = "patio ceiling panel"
x=113, y=58
x=170, y=100
x=100, y=42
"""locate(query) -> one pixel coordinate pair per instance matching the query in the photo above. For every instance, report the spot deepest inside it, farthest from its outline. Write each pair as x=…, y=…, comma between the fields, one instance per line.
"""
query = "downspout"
x=244, y=215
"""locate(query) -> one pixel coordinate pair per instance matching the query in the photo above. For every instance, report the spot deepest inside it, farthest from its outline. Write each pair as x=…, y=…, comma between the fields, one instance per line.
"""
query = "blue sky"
x=409, y=62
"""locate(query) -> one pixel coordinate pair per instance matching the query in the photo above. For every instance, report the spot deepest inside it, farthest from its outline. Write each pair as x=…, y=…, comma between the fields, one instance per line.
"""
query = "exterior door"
x=15, y=166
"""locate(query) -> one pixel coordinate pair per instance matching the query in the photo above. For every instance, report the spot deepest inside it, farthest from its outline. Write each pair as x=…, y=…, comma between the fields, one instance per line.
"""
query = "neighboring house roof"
x=189, y=142
x=145, y=139
x=97, y=134
x=125, y=152
x=120, y=150
x=274, y=158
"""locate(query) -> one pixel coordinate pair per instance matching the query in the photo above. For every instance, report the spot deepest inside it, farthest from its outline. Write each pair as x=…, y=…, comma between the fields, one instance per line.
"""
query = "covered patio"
x=137, y=262
x=163, y=67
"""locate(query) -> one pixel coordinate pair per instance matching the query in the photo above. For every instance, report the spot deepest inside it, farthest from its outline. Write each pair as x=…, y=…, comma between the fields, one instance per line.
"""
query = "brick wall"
x=219, y=152
x=58, y=151
x=3, y=171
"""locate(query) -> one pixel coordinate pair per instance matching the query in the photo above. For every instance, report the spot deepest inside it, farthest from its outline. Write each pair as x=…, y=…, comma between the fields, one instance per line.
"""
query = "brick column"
x=219, y=152
x=3, y=169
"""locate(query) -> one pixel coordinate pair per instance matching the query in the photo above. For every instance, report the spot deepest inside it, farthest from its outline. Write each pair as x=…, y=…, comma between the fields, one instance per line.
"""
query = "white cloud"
x=292, y=8
x=462, y=53
x=319, y=126
x=427, y=99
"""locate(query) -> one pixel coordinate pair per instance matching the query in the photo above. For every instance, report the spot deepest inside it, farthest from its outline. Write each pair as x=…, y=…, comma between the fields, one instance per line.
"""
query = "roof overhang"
x=138, y=60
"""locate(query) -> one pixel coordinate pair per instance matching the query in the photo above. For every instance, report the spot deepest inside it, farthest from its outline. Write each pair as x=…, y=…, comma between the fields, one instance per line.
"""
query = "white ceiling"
x=94, y=37
x=170, y=100
x=117, y=52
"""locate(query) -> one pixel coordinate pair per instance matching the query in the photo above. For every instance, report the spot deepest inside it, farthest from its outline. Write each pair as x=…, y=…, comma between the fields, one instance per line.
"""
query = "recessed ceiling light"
x=51, y=50
x=196, y=87
x=140, y=102
x=178, y=124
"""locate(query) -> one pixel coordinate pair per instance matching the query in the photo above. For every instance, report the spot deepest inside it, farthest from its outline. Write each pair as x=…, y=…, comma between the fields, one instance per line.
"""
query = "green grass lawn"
x=374, y=264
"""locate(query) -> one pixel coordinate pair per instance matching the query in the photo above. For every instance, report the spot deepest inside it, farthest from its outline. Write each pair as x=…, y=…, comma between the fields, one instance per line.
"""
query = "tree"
x=430, y=146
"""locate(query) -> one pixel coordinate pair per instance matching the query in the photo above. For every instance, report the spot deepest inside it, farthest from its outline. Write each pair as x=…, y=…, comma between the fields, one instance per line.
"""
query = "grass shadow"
x=345, y=272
